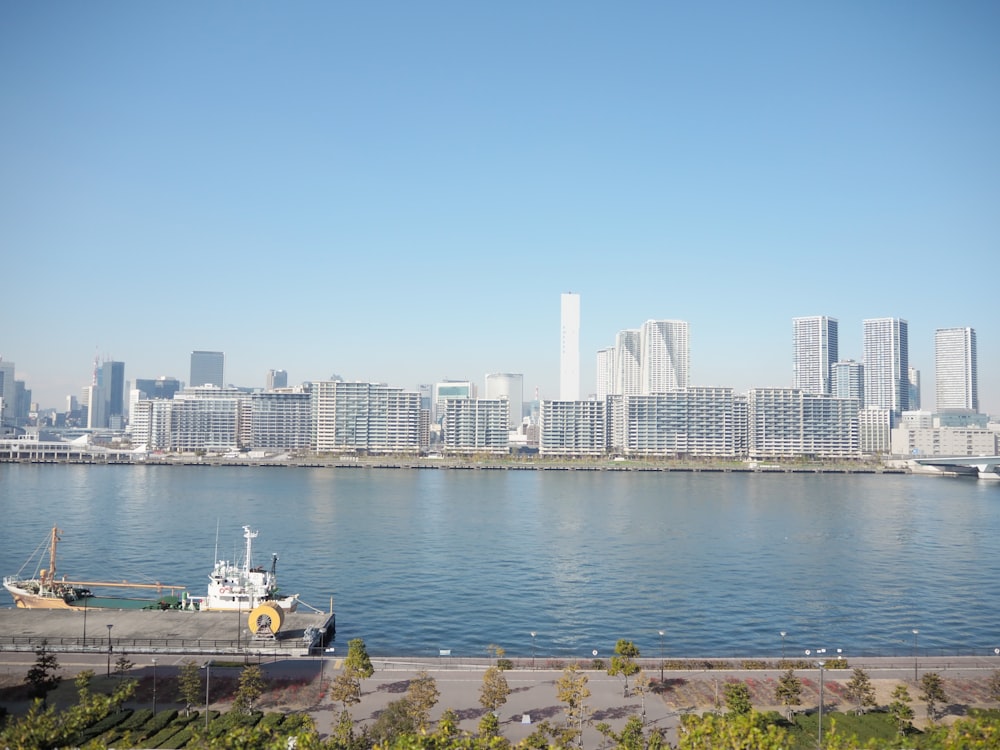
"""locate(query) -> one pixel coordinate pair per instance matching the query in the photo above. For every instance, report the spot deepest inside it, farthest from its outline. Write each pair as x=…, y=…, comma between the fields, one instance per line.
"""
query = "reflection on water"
x=423, y=560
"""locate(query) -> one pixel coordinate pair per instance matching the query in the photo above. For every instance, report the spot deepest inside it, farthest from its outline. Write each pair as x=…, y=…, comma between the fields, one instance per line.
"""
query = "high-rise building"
x=665, y=359
x=276, y=379
x=956, y=378
x=207, y=368
x=366, y=417
x=281, y=420
x=7, y=396
x=158, y=388
x=628, y=359
x=449, y=389
x=510, y=386
x=477, y=425
x=569, y=348
x=687, y=422
x=113, y=393
x=605, y=371
x=849, y=380
x=572, y=428
x=914, y=379
x=887, y=366
x=815, y=352
x=787, y=422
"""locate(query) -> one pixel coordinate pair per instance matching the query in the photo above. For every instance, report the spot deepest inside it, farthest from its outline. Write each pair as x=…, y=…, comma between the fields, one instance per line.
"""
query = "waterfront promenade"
x=300, y=685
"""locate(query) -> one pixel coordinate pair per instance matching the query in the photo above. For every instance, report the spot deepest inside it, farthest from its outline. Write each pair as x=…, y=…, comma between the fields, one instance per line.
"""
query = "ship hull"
x=27, y=600
x=289, y=604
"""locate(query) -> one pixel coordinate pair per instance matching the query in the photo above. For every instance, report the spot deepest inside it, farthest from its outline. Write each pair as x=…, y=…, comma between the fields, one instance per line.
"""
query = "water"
x=422, y=560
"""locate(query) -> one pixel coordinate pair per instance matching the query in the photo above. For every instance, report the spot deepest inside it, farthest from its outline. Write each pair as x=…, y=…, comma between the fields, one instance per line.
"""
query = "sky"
x=400, y=192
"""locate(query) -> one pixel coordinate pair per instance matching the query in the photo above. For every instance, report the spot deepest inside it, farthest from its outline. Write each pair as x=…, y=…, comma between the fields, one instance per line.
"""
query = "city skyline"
x=388, y=194
x=881, y=333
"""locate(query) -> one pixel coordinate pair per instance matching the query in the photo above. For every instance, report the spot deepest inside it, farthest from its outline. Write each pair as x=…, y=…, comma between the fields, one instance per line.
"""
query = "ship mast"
x=51, y=576
x=249, y=536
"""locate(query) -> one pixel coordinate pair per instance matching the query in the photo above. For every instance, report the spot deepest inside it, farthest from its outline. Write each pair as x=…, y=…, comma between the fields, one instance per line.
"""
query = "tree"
x=489, y=725
x=122, y=665
x=632, y=736
x=623, y=662
x=42, y=677
x=189, y=683
x=251, y=687
x=860, y=690
x=497, y=652
x=737, y=696
x=357, y=660
x=788, y=691
x=46, y=727
x=572, y=690
x=422, y=696
x=393, y=722
x=734, y=731
x=976, y=733
x=343, y=730
x=346, y=688
x=495, y=690
x=900, y=709
x=448, y=724
x=932, y=692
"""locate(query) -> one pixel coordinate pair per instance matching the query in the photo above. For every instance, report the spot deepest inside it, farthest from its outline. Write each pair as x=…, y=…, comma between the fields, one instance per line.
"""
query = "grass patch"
x=804, y=728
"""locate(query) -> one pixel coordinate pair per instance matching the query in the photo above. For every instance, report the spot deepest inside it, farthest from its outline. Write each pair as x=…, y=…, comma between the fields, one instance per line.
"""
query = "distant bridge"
x=985, y=467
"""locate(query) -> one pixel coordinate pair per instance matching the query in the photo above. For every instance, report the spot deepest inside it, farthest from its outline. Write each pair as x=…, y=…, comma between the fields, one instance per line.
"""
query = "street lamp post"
x=109, y=648
x=821, y=664
x=661, y=657
x=533, y=634
x=154, y=685
x=208, y=680
x=915, y=634
x=783, y=634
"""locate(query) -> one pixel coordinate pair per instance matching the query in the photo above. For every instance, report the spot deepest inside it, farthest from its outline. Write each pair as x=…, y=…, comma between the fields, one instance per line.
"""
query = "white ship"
x=241, y=586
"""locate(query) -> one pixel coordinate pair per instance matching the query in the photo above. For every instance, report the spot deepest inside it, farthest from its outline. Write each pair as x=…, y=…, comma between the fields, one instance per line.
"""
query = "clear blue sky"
x=399, y=192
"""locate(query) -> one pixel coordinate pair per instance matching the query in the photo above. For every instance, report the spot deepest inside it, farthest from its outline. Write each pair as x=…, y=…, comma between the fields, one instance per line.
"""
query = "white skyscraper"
x=665, y=356
x=955, y=372
x=914, y=379
x=628, y=358
x=605, y=372
x=886, y=363
x=815, y=344
x=510, y=386
x=569, y=348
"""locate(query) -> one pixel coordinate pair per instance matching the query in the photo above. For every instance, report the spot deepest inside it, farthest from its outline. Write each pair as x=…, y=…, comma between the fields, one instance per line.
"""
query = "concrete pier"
x=155, y=632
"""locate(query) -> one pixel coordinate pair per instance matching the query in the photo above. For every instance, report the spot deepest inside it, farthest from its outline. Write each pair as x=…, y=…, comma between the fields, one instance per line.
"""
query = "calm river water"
x=423, y=560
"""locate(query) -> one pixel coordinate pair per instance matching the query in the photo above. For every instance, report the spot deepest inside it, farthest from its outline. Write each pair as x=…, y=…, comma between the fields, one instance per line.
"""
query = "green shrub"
x=233, y=719
x=158, y=722
x=271, y=721
x=97, y=729
x=160, y=738
x=136, y=720
x=178, y=740
x=598, y=664
x=753, y=664
x=504, y=664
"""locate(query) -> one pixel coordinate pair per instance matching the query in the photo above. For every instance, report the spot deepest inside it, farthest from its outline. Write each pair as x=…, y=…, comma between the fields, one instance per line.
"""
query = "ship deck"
x=157, y=632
